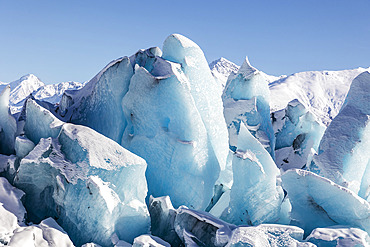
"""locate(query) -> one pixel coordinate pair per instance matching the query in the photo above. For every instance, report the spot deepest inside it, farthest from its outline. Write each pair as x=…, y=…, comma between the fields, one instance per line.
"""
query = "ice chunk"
x=173, y=140
x=205, y=91
x=23, y=146
x=40, y=123
x=201, y=228
x=8, y=125
x=7, y=226
x=344, y=155
x=246, y=100
x=11, y=197
x=298, y=135
x=149, y=241
x=339, y=236
x=162, y=215
x=255, y=197
x=268, y=235
x=98, y=103
x=12, y=211
x=90, y=245
x=47, y=234
x=82, y=165
x=318, y=202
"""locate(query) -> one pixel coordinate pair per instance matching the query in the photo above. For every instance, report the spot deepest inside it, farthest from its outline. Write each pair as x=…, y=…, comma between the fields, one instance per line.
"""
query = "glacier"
x=298, y=134
x=81, y=165
x=255, y=197
x=162, y=149
x=319, y=202
x=344, y=155
x=246, y=100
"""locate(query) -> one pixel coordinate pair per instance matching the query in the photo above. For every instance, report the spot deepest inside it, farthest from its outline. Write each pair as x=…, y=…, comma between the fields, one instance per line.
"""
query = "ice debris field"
x=162, y=149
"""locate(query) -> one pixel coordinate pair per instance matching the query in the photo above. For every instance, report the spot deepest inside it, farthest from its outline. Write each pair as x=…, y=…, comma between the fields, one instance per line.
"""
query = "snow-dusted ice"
x=298, y=134
x=319, y=202
x=246, y=100
x=81, y=165
x=339, y=236
x=344, y=155
x=255, y=197
x=321, y=92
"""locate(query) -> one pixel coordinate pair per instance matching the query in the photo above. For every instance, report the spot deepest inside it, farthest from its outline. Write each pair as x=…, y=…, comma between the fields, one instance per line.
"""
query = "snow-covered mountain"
x=31, y=84
x=322, y=92
x=20, y=89
x=221, y=69
x=53, y=93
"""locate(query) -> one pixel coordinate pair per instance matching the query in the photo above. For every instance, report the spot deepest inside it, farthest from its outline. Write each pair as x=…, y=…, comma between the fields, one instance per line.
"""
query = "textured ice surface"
x=255, y=197
x=47, y=234
x=321, y=92
x=40, y=123
x=23, y=146
x=173, y=140
x=318, y=202
x=268, y=235
x=339, y=236
x=246, y=100
x=298, y=135
x=204, y=89
x=8, y=125
x=162, y=216
x=98, y=103
x=83, y=166
x=344, y=155
x=149, y=241
x=201, y=228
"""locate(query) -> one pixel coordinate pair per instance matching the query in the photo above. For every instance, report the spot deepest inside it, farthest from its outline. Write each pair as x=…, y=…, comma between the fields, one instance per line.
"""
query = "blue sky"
x=73, y=40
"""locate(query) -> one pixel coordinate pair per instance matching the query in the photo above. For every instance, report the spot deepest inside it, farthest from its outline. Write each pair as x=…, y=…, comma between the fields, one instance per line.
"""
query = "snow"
x=246, y=100
x=255, y=197
x=149, y=241
x=344, y=155
x=8, y=124
x=339, y=236
x=268, y=235
x=47, y=234
x=321, y=92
